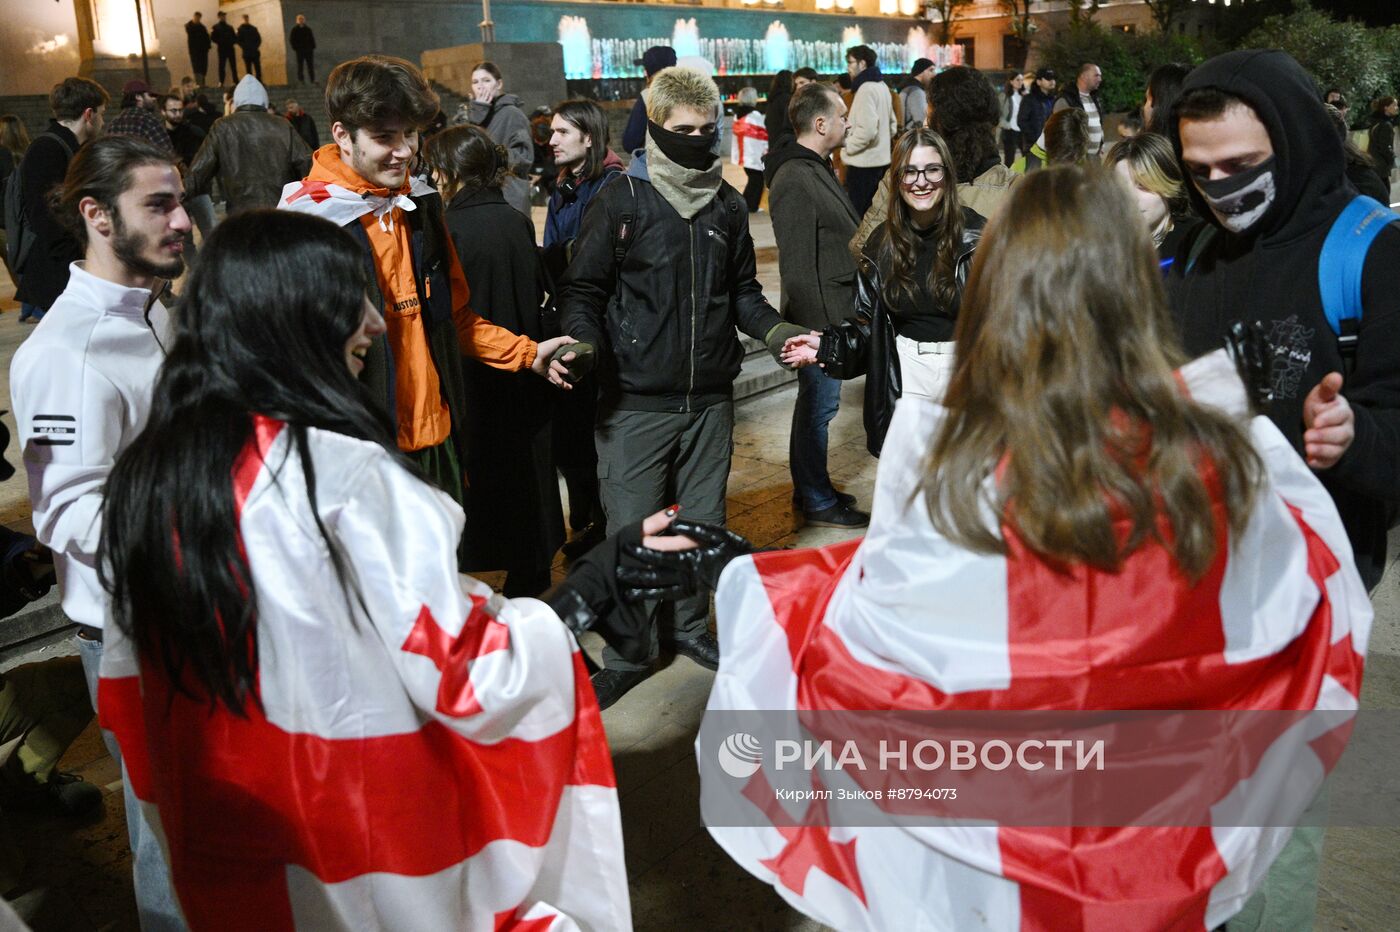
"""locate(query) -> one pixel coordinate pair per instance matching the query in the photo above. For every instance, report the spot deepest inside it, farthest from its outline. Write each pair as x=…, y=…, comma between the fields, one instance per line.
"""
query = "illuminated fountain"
x=916, y=46
x=685, y=38
x=578, y=47
x=851, y=35
x=777, y=48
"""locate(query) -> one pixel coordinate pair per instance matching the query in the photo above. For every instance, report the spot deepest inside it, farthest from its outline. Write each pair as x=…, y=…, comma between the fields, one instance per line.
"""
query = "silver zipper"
x=693, y=303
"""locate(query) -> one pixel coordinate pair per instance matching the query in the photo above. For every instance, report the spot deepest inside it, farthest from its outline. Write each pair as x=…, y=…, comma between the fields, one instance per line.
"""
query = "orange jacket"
x=423, y=417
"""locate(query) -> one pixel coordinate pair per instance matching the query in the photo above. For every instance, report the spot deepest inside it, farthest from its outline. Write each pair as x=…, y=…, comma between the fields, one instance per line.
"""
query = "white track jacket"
x=81, y=386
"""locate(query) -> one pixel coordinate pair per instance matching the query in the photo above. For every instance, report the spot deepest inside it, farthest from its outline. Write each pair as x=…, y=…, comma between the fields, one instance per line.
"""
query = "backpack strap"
x=1342, y=263
x=626, y=227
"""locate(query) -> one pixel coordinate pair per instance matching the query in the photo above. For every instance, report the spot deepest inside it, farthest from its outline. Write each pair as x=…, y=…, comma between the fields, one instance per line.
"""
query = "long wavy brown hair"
x=1064, y=389
x=897, y=250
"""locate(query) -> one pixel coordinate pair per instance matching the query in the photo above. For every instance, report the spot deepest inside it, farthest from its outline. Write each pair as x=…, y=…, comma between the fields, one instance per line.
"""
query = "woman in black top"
x=515, y=520
x=908, y=288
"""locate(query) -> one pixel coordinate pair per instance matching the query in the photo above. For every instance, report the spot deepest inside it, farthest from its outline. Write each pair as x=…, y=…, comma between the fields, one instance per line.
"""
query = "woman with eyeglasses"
x=908, y=288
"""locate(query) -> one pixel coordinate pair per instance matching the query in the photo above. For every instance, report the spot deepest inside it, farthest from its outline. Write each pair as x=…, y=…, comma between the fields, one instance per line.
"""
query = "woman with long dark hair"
x=14, y=140
x=775, y=111
x=514, y=518
x=332, y=726
x=1163, y=89
x=908, y=288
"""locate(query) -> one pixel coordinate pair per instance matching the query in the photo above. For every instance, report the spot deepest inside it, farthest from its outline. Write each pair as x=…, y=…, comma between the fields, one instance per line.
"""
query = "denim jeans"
x=156, y=906
x=27, y=311
x=818, y=399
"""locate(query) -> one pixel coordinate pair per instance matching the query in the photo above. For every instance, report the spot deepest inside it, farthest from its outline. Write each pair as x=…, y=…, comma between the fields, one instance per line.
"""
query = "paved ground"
x=78, y=877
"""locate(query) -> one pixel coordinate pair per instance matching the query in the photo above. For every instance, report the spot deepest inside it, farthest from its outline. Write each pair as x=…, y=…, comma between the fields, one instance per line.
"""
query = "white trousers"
x=925, y=368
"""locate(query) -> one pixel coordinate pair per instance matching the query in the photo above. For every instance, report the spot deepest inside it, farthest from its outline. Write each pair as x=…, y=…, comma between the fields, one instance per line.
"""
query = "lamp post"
x=488, y=28
x=141, y=32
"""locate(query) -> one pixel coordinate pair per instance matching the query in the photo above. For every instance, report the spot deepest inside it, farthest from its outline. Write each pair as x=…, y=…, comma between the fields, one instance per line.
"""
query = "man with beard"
x=186, y=138
x=138, y=116
x=81, y=387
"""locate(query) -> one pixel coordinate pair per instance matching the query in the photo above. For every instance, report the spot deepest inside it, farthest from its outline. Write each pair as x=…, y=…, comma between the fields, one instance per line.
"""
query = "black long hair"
x=262, y=330
x=1164, y=86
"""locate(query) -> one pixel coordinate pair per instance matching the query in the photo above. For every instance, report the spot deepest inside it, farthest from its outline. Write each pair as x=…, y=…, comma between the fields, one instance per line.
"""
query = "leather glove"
x=593, y=596
x=585, y=358
x=655, y=574
x=1253, y=356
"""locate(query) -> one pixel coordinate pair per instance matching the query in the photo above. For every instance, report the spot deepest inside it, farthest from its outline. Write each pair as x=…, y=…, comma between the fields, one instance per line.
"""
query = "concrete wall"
x=533, y=70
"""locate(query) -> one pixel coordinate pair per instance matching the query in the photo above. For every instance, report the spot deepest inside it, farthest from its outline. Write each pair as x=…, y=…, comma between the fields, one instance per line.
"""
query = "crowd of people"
x=263, y=469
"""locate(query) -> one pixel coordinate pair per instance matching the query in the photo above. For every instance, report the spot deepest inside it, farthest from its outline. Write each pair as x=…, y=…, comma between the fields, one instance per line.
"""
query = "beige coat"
x=983, y=194
x=872, y=127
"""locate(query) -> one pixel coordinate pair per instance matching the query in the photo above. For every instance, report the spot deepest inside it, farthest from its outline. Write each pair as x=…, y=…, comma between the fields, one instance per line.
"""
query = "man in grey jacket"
x=813, y=220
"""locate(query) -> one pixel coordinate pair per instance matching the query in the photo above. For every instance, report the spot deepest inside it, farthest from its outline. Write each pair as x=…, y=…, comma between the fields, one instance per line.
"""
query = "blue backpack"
x=1339, y=267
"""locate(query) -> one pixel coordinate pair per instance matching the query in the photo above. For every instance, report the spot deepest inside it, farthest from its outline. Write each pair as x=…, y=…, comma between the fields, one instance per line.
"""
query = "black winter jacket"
x=663, y=319
x=1270, y=275
x=864, y=344
x=1035, y=110
x=45, y=272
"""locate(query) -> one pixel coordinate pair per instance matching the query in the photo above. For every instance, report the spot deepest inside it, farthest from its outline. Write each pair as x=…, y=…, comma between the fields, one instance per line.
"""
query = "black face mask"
x=693, y=152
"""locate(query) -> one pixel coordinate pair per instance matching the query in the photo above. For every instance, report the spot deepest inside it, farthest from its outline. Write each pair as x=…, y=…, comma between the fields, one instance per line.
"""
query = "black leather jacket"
x=864, y=343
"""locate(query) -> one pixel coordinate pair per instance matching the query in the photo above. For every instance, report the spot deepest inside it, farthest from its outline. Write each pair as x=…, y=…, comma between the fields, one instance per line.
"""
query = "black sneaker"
x=704, y=650
x=838, y=515
x=842, y=498
x=611, y=685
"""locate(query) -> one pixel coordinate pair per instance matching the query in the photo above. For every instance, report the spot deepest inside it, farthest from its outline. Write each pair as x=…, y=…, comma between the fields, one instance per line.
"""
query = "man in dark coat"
x=813, y=220
x=197, y=38
x=1036, y=108
x=223, y=37
x=301, y=122
x=78, y=107
x=250, y=41
x=303, y=43
x=512, y=497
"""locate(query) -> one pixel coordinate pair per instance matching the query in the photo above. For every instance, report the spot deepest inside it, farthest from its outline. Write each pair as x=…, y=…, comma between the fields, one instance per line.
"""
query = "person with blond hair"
x=1153, y=175
x=662, y=281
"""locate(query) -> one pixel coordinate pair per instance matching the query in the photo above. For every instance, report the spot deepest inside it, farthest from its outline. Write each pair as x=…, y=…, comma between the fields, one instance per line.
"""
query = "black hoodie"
x=1270, y=275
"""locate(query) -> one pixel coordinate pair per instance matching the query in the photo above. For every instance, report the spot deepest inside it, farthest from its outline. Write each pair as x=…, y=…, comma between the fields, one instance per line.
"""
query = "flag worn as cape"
x=431, y=759
x=906, y=620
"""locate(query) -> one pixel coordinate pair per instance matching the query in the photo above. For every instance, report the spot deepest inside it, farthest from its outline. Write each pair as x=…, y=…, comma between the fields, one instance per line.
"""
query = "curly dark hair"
x=964, y=109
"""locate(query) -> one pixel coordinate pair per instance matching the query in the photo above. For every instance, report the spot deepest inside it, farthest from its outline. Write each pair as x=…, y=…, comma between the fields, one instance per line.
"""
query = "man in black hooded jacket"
x=1268, y=174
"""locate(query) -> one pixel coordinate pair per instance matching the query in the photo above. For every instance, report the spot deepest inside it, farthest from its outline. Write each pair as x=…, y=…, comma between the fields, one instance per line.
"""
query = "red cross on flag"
x=906, y=621
x=432, y=759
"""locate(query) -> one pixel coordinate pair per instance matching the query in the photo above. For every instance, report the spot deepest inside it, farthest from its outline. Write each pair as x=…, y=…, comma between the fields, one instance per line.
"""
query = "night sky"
x=1374, y=12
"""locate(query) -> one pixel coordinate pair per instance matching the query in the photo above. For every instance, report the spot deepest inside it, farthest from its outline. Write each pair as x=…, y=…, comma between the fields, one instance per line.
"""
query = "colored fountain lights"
x=586, y=57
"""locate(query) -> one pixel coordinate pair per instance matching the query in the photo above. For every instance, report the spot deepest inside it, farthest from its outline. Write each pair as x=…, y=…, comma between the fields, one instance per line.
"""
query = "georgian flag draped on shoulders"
x=340, y=205
x=906, y=620
x=431, y=759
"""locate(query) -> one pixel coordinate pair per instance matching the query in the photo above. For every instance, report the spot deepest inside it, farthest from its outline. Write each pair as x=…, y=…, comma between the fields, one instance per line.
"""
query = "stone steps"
x=760, y=373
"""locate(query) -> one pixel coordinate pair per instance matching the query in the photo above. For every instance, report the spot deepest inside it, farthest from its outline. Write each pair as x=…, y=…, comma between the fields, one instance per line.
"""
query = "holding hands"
x=801, y=350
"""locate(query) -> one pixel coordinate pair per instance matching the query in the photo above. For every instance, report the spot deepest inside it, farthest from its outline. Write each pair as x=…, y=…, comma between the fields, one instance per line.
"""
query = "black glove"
x=1253, y=356
x=593, y=596
x=677, y=574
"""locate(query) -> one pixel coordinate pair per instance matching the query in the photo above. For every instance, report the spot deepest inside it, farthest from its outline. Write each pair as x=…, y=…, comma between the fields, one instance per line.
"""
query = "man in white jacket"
x=81, y=387
x=867, y=151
